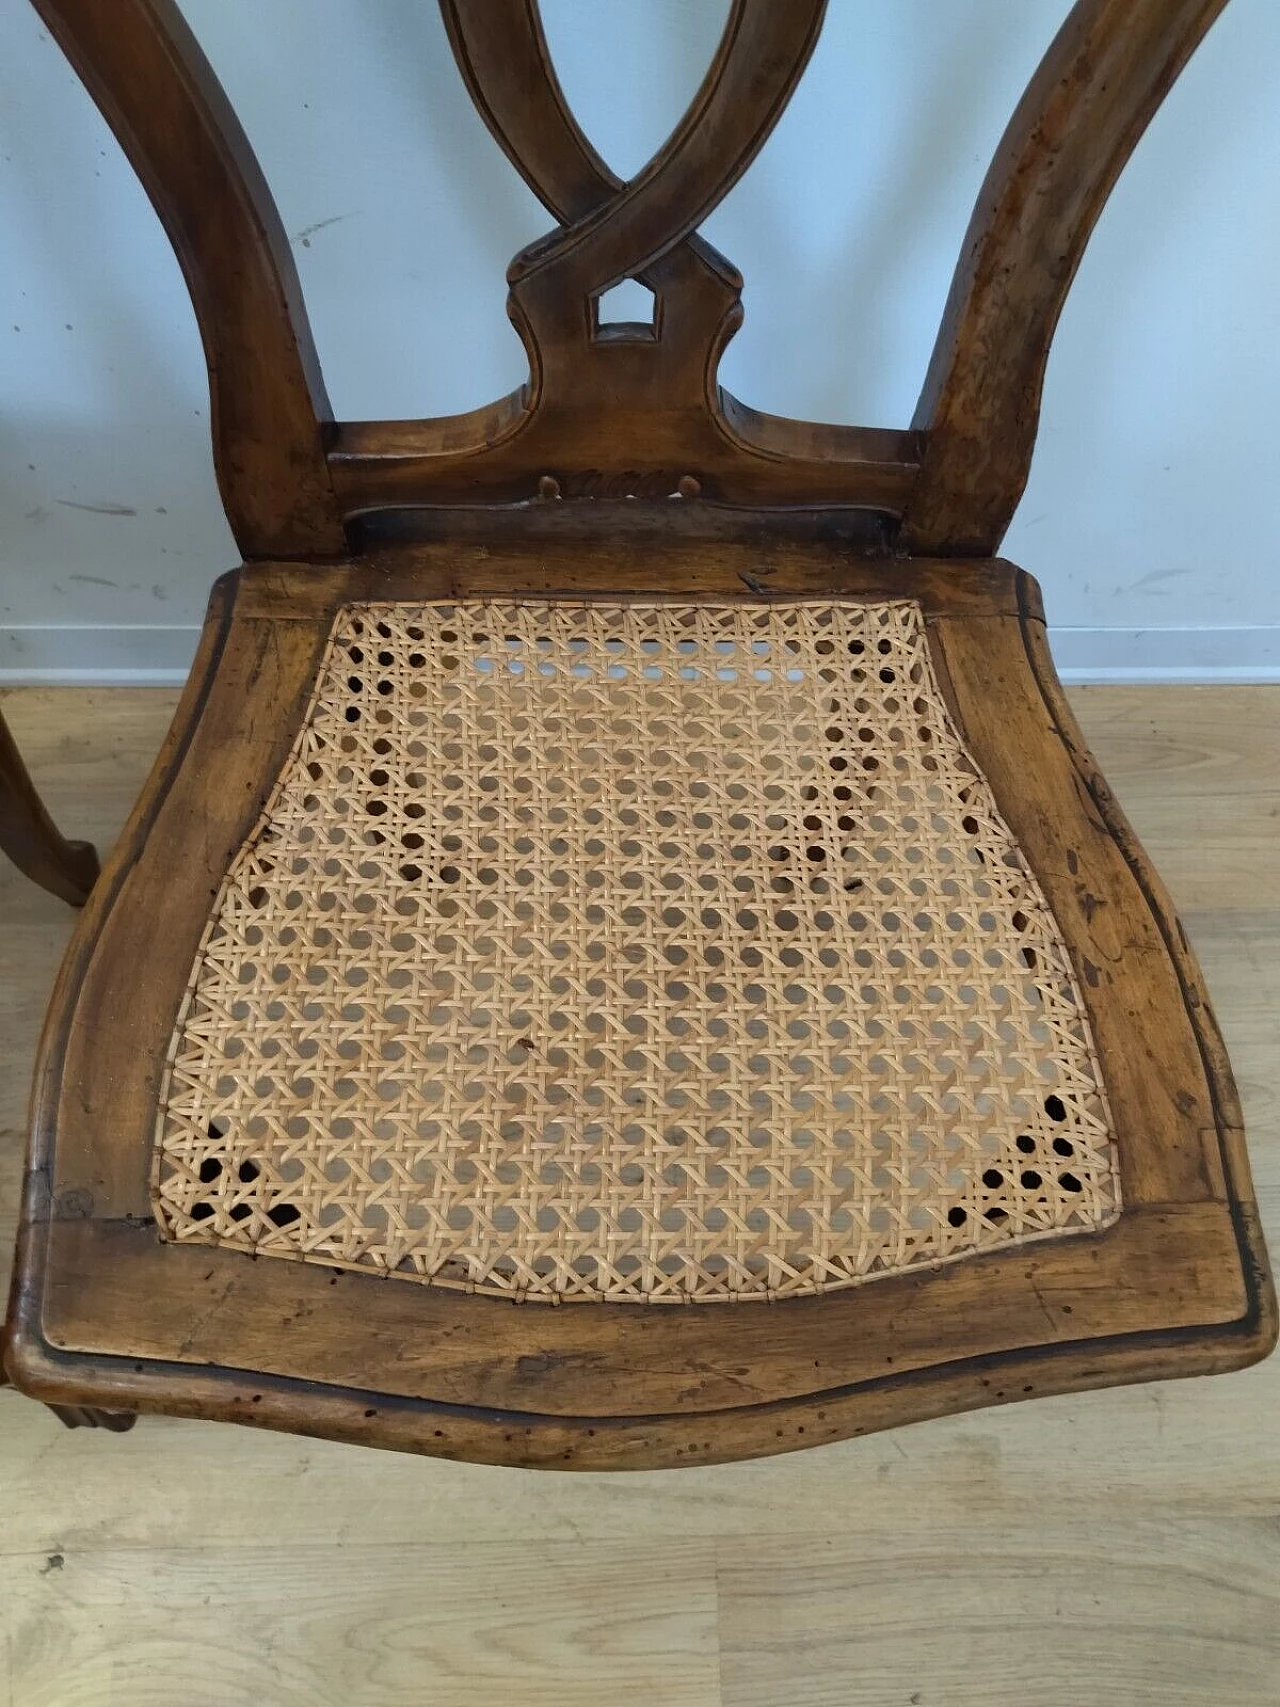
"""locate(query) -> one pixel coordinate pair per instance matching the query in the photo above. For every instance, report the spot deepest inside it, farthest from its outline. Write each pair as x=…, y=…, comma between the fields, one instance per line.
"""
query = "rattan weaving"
x=641, y=952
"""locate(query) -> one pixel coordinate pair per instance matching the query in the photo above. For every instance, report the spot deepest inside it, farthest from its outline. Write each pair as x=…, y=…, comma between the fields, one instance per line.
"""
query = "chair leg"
x=90, y=1416
x=31, y=838
x=85, y=1416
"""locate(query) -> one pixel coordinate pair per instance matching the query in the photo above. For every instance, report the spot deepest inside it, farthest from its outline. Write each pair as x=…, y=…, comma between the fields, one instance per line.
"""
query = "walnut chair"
x=624, y=958
x=31, y=839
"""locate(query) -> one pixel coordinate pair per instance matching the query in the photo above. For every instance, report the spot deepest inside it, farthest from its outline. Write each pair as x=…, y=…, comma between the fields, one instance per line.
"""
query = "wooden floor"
x=1116, y=1548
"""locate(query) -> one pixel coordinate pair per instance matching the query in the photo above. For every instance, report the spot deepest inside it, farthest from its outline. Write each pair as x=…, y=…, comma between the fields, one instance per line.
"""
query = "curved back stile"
x=1082, y=115
x=631, y=411
x=169, y=113
x=519, y=916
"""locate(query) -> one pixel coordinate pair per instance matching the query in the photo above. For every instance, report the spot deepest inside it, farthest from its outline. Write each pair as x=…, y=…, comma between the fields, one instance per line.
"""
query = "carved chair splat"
x=623, y=855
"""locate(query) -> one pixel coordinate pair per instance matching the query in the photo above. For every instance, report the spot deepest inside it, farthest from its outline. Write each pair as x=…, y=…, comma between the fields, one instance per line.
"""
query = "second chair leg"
x=86, y=1416
x=31, y=838
x=92, y=1416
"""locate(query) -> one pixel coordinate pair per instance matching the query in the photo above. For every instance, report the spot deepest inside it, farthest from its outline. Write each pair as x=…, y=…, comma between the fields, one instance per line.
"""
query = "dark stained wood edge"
x=534, y=1440
x=1255, y=1265
x=158, y=93
x=1103, y=78
x=28, y=1265
x=87, y=1416
x=620, y=551
x=520, y=1436
x=31, y=838
x=114, y=1288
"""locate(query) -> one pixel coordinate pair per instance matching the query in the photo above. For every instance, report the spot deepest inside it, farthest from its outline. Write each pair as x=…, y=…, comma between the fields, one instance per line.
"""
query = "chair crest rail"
x=632, y=410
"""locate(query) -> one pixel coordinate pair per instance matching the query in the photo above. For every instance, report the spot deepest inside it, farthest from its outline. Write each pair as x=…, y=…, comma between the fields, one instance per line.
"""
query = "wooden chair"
x=31, y=838
x=626, y=852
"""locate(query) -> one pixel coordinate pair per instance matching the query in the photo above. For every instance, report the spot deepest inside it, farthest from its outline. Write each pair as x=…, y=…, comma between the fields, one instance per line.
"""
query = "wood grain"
x=1125, y=1539
x=631, y=411
x=108, y=1315
x=1083, y=113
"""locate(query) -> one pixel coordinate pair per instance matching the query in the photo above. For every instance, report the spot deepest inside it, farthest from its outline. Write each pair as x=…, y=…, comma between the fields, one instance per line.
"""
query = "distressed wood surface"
x=107, y=1315
x=1127, y=1537
x=1084, y=111
x=629, y=410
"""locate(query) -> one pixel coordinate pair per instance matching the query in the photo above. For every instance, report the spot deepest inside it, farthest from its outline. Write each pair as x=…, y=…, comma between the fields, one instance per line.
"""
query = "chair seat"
x=490, y=935
x=651, y=952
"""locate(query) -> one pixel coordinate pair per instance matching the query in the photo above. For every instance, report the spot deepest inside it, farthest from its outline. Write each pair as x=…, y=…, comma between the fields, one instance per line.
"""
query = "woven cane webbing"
x=641, y=952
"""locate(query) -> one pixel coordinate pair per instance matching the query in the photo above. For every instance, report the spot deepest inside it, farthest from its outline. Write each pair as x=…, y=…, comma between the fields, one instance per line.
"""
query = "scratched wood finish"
x=1096, y=1523
x=1176, y=1286
x=1108, y=70
x=633, y=474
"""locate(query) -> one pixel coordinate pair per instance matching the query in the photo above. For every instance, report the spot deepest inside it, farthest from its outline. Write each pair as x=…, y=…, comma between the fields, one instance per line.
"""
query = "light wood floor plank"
x=1058, y=1615
x=344, y=1625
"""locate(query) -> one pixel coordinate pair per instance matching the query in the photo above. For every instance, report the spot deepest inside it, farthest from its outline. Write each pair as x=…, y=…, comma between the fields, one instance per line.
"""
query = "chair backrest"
x=630, y=410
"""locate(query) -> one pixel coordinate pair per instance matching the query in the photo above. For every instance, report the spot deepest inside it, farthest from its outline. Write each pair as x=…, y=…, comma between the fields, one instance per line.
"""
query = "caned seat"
x=619, y=849
x=652, y=952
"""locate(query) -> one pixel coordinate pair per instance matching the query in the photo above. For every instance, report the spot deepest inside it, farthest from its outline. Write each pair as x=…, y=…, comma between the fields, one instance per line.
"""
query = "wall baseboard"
x=133, y=656
x=1190, y=655
x=160, y=657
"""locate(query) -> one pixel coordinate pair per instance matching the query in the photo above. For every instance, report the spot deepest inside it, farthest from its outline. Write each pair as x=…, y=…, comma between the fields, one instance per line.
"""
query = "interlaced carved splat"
x=645, y=398
x=617, y=414
x=616, y=230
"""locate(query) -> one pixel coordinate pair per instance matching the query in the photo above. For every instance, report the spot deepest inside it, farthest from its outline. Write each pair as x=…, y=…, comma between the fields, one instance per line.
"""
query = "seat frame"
x=623, y=470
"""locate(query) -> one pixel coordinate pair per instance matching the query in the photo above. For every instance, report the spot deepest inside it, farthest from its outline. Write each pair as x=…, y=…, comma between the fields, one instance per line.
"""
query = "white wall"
x=1152, y=518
